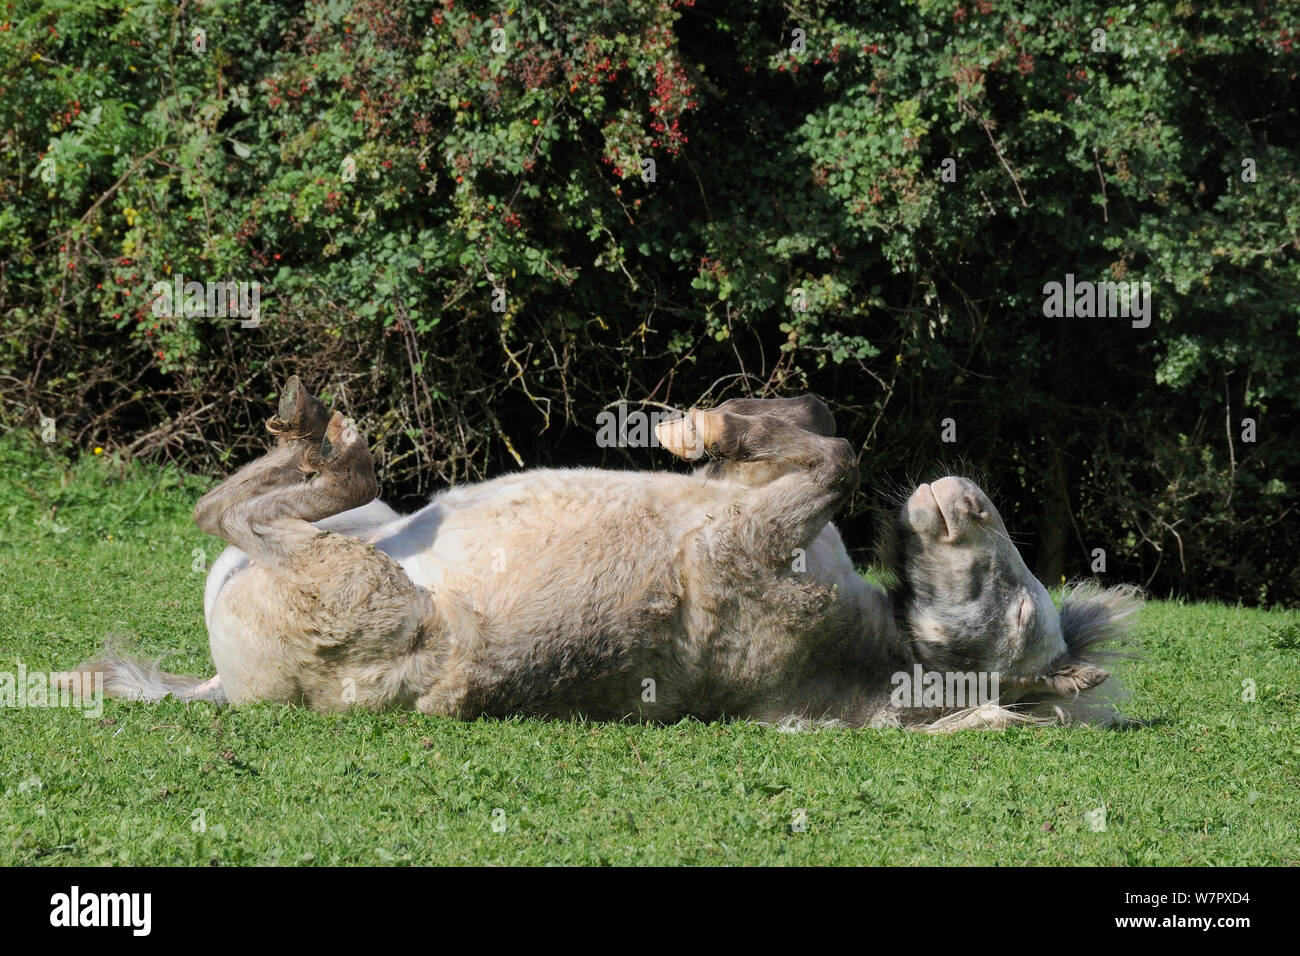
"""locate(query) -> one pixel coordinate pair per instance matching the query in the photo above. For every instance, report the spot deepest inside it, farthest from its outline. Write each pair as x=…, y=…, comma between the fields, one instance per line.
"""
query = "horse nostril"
x=973, y=506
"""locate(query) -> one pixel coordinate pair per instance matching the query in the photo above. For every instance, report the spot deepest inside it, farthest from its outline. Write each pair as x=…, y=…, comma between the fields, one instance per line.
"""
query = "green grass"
x=104, y=549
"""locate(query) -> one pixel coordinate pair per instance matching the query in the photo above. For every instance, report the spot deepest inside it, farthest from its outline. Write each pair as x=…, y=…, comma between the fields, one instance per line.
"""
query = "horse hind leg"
x=299, y=425
x=332, y=622
x=269, y=513
x=319, y=467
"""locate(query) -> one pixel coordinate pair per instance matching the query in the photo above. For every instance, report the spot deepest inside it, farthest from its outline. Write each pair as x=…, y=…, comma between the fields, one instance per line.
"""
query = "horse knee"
x=207, y=512
x=841, y=466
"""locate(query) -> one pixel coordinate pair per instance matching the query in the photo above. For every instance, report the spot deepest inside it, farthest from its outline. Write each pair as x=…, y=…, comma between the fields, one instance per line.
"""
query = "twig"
x=975, y=115
x=1227, y=426
x=1105, y=214
x=168, y=426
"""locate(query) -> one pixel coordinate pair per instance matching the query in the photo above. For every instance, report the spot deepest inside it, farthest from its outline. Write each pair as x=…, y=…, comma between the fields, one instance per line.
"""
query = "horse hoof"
x=300, y=416
x=339, y=435
x=691, y=436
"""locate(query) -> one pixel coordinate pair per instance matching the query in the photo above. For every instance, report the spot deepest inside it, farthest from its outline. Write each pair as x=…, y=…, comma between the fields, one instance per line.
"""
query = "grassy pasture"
x=106, y=548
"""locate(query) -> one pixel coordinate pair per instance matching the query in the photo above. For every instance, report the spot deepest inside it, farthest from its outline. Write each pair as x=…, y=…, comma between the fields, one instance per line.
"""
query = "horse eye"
x=1026, y=610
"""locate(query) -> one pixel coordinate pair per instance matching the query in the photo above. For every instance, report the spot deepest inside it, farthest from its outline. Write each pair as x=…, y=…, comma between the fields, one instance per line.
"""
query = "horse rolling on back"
x=721, y=592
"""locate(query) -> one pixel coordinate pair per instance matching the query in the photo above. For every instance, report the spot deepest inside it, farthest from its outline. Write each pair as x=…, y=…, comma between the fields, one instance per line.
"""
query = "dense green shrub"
x=799, y=232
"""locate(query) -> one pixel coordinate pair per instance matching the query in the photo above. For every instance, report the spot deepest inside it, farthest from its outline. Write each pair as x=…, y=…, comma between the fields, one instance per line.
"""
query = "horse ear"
x=1073, y=675
x=1091, y=617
